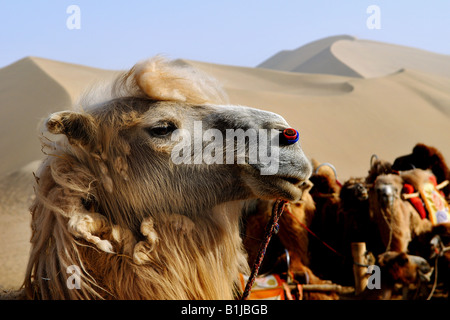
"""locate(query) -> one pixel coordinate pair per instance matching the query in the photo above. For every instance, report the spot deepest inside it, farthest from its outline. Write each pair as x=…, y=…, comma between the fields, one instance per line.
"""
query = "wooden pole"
x=359, y=271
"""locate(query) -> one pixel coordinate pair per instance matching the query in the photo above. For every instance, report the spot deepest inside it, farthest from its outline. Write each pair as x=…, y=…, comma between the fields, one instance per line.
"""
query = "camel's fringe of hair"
x=160, y=80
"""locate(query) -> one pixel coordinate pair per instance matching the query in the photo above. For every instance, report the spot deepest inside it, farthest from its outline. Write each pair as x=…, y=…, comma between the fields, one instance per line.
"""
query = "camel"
x=116, y=218
x=397, y=220
x=325, y=192
x=399, y=269
x=378, y=167
x=434, y=245
x=354, y=209
x=354, y=225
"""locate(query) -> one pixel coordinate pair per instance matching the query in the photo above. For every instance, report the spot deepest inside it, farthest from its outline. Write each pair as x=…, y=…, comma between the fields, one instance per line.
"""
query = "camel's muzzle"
x=386, y=196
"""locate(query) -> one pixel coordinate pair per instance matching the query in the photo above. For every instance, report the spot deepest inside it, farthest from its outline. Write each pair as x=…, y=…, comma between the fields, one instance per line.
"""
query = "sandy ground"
x=348, y=98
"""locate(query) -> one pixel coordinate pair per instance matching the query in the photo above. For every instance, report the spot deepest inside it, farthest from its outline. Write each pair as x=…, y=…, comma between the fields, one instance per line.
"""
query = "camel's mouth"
x=363, y=196
x=386, y=194
x=293, y=187
x=292, y=180
x=288, y=185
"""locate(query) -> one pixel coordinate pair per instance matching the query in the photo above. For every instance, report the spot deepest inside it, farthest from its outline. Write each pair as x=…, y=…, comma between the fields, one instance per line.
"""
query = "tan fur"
x=161, y=81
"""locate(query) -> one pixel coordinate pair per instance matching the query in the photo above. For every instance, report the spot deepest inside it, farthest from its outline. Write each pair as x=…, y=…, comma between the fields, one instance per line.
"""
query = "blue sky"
x=116, y=34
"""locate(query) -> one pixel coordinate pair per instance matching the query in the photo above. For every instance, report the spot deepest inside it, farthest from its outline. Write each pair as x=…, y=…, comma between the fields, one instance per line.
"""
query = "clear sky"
x=116, y=34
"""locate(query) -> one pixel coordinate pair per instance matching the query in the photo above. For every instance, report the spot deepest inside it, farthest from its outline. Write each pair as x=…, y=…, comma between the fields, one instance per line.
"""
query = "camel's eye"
x=161, y=129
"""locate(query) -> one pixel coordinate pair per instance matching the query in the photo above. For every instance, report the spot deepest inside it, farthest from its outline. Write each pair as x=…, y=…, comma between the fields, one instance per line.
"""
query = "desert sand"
x=348, y=98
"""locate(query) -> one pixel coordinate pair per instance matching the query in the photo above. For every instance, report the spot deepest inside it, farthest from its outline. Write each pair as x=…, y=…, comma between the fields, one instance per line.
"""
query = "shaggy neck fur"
x=176, y=257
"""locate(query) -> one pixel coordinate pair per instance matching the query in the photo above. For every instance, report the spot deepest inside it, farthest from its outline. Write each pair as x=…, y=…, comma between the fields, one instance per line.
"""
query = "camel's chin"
x=288, y=190
x=273, y=187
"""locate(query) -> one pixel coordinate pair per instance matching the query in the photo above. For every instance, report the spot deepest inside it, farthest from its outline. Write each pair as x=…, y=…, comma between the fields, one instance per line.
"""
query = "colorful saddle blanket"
x=437, y=207
x=431, y=203
x=269, y=287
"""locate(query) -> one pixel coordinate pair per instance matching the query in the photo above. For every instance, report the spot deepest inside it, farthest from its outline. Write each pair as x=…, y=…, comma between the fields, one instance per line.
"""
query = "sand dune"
x=290, y=60
x=348, y=56
x=30, y=90
x=16, y=190
x=345, y=109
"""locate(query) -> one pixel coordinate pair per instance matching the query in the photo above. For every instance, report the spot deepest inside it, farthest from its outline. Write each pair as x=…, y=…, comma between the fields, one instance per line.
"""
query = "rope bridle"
x=439, y=251
x=271, y=228
x=389, y=223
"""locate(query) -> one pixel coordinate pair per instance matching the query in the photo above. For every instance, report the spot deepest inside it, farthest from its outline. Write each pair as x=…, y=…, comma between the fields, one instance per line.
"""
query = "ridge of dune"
x=74, y=78
x=259, y=79
x=432, y=88
x=325, y=62
x=376, y=59
x=349, y=56
x=288, y=60
x=28, y=94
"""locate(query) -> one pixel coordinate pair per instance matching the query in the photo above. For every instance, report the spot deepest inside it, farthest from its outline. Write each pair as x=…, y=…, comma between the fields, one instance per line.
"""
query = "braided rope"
x=271, y=228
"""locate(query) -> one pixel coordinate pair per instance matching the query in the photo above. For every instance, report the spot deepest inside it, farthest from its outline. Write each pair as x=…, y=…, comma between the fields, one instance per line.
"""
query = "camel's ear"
x=79, y=128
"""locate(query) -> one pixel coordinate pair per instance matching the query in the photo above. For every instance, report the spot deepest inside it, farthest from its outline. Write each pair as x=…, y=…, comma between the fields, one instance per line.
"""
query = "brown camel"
x=124, y=210
x=397, y=220
x=325, y=192
x=399, y=270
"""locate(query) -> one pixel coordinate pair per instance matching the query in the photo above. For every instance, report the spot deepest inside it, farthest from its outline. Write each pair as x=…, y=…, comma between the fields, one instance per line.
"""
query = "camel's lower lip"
x=292, y=187
x=292, y=183
x=286, y=186
x=292, y=180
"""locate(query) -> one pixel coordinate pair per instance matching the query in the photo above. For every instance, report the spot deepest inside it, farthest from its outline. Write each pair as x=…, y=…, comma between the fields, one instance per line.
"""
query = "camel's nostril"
x=289, y=136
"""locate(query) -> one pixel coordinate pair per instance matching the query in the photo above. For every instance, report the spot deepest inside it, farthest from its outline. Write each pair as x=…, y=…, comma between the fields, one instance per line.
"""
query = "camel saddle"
x=431, y=203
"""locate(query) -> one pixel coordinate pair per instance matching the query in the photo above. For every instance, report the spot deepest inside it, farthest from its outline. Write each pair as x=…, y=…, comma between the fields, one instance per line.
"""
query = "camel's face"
x=388, y=188
x=356, y=190
x=232, y=147
x=402, y=267
x=162, y=150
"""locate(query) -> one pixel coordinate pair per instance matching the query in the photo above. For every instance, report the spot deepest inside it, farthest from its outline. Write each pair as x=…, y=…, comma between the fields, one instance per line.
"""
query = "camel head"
x=403, y=268
x=354, y=189
x=388, y=188
x=162, y=143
